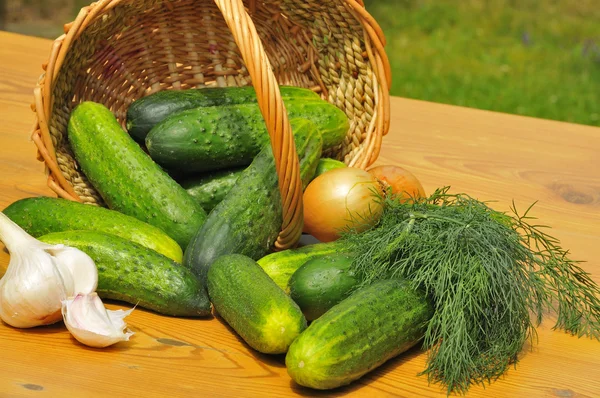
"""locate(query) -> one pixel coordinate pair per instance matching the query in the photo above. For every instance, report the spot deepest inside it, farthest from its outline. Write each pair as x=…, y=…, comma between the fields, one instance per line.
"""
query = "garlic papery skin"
x=31, y=290
x=39, y=276
x=92, y=324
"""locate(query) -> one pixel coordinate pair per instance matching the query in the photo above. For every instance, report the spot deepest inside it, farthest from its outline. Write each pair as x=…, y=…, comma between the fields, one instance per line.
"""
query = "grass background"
x=531, y=57
x=538, y=58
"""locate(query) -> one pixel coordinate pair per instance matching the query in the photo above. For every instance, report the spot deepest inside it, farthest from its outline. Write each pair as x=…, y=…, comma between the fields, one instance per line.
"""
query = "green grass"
x=528, y=57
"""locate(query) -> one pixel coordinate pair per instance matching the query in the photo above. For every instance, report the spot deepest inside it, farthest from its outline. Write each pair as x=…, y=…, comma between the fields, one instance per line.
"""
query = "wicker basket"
x=119, y=50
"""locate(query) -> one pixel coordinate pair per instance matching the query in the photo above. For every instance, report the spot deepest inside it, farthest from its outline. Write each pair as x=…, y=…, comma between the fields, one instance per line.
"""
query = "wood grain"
x=488, y=155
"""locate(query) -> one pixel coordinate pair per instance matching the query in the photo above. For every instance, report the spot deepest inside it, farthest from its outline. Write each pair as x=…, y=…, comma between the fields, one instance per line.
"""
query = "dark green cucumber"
x=281, y=265
x=248, y=220
x=210, y=189
x=321, y=283
x=357, y=335
x=134, y=274
x=42, y=215
x=326, y=164
x=148, y=111
x=126, y=178
x=203, y=139
x=253, y=305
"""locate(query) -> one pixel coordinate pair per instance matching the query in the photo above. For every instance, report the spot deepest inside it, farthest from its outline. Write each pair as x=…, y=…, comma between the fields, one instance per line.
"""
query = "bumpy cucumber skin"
x=321, y=283
x=280, y=266
x=148, y=111
x=326, y=164
x=204, y=139
x=357, y=335
x=134, y=274
x=210, y=189
x=43, y=215
x=126, y=178
x=253, y=305
x=248, y=219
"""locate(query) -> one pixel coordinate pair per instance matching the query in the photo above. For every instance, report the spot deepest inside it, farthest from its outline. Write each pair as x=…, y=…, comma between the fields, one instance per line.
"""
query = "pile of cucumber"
x=193, y=210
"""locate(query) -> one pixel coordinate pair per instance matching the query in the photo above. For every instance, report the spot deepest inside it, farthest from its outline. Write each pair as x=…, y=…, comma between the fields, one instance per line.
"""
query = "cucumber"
x=126, y=178
x=204, y=139
x=210, y=189
x=360, y=333
x=134, y=274
x=146, y=112
x=281, y=265
x=253, y=305
x=321, y=283
x=43, y=215
x=326, y=164
x=248, y=220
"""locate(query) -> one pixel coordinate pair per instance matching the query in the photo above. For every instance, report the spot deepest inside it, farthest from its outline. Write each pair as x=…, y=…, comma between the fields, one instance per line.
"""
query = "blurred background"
x=537, y=58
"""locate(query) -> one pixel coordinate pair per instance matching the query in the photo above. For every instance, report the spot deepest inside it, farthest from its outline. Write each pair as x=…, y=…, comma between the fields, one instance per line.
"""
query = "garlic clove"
x=92, y=324
x=79, y=266
x=31, y=290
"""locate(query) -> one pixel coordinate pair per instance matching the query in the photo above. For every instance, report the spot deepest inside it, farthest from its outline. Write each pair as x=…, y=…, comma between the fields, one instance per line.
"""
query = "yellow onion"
x=340, y=199
x=402, y=182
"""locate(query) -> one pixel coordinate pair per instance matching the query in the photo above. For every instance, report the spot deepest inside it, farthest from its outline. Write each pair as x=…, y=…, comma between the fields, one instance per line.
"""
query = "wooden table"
x=489, y=155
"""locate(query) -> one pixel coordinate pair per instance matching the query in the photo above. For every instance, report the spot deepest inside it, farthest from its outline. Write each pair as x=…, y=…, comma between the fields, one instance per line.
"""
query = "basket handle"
x=273, y=110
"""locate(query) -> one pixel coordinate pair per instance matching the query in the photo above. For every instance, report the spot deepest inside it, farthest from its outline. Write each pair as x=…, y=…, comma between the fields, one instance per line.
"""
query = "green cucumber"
x=253, y=305
x=43, y=215
x=360, y=333
x=204, y=139
x=326, y=164
x=321, y=283
x=281, y=265
x=148, y=111
x=126, y=178
x=132, y=273
x=210, y=189
x=249, y=218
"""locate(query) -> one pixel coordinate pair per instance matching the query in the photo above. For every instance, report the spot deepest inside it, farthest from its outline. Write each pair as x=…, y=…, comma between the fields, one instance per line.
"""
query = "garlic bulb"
x=92, y=324
x=39, y=276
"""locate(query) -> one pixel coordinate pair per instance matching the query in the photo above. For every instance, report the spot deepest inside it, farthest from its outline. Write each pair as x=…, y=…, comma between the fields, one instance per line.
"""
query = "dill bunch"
x=490, y=275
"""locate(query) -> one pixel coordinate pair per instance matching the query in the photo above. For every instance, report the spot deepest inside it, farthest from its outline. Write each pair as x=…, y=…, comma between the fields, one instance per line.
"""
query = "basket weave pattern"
x=117, y=51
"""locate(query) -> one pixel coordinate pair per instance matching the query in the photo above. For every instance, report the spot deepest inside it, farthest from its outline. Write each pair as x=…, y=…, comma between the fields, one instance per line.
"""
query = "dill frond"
x=491, y=277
